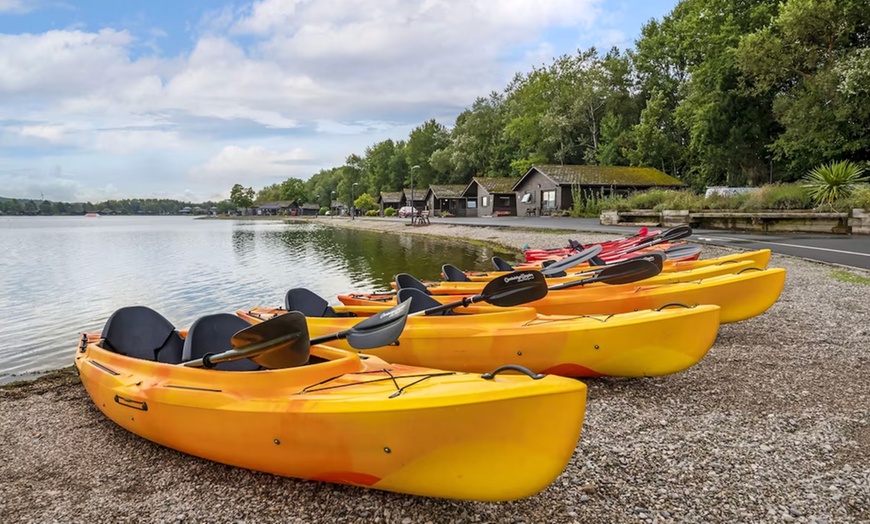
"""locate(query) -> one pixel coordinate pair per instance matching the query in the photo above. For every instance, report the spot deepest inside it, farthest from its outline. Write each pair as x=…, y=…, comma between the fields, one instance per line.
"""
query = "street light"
x=352, y=198
x=331, y=198
x=413, y=207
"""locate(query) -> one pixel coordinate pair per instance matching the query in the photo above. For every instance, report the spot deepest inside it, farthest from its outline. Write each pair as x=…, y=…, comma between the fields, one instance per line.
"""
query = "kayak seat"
x=501, y=265
x=454, y=274
x=310, y=304
x=212, y=334
x=406, y=281
x=421, y=301
x=141, y=332
x=577, y=246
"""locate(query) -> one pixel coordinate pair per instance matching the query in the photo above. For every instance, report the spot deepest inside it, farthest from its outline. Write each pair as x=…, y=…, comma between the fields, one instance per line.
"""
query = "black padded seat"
x=310, y=304
x=454, y=274
x=212, y=334
x=141, y=332
x=421, y=301
x=501, y=265
x=406, y=281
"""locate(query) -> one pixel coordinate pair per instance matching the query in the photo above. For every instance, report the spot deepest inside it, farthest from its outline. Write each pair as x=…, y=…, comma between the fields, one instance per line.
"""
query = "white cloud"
x=235, y=163
x=343, y=73
x=15, y=6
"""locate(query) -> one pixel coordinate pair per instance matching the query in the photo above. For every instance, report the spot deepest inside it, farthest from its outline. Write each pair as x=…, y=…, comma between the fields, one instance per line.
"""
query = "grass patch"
x=850, y=278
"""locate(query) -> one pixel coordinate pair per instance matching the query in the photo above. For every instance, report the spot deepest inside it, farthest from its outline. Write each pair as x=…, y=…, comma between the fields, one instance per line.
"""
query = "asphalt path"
x=845, y=250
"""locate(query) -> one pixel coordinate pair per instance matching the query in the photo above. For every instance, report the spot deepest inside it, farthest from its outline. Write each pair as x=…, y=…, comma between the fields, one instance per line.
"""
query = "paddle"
x=674, y=233
x=508, y=290
x=573, y=260
x=278, y=342
x=623, y=273
x=682, y=251
x=282, y=341
x=375, y=331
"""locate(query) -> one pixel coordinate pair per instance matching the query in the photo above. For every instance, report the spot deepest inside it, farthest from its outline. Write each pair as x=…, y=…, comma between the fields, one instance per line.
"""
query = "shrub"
x=322, y=210
x=390, y=212
x=830, y=182
x=685, y=199
x=372, y=213
x=860, y=198
x=647, y=199
x=778, y=197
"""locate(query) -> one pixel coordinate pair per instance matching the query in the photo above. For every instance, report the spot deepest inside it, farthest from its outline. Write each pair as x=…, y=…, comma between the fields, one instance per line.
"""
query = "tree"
x=364, y=202
x=813, y=60
x=270, y=193
x=423, y=141
x=293, y=189
x=242, y=196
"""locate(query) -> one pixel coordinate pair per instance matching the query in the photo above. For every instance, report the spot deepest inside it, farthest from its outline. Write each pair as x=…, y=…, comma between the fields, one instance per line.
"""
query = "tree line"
x=134, y=206
x=715, y=93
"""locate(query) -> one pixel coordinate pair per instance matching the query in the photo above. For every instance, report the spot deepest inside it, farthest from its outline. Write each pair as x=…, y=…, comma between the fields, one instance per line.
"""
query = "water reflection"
x=63, y=275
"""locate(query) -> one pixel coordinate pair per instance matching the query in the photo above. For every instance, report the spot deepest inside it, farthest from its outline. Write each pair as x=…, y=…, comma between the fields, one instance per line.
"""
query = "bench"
x=422, y=219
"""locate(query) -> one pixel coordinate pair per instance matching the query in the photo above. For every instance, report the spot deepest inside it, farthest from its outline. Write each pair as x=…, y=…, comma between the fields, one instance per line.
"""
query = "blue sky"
x=122, y=99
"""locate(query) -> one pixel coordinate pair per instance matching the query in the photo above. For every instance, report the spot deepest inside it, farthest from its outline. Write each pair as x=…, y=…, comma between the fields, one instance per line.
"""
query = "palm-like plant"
x=831, y=182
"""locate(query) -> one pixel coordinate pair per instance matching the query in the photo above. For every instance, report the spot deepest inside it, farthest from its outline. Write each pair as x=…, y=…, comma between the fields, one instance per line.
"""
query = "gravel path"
x=772, y=426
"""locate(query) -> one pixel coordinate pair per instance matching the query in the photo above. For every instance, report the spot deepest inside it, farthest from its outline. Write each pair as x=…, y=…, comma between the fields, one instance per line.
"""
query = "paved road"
x=847, y=250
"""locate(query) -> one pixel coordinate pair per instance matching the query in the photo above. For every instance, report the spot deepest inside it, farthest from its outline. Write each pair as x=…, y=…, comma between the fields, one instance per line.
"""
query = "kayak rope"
x=392, y=378
x=550, y=320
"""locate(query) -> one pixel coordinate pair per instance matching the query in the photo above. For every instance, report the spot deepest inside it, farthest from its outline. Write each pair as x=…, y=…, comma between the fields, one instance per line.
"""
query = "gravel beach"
x=772, y=426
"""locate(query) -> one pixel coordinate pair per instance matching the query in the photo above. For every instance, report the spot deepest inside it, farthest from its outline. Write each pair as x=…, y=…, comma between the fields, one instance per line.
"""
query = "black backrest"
x=212, y=334
x=421, y=301
x=308, y=303
x=501, y=265
x=141, y=332
x=406, y=281
x=454, y=274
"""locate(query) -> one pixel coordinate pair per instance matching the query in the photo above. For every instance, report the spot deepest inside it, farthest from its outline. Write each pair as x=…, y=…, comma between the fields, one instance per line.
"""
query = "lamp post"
x=331, y=198
x=413, y=207
x=352, y=198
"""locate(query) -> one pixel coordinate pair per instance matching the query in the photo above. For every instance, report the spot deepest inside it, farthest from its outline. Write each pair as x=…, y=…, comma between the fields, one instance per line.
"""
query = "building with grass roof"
x=447, y=198
x=546, y=189
x=387, y=199
x=491, y=196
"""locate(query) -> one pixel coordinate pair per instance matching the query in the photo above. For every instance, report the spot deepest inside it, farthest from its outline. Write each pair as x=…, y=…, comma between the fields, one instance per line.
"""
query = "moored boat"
x=339, y=417
x=479, y=338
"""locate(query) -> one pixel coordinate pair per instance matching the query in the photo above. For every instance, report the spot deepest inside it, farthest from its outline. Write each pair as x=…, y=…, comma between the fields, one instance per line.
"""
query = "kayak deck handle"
x=131, y=403
x=674, y=304
x=513, y=367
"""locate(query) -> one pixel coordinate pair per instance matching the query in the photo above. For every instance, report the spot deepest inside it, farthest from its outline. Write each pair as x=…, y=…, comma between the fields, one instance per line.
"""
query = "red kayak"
x=575, y=247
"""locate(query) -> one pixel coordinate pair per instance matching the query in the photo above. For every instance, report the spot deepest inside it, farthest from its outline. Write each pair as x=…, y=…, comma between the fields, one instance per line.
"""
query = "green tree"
x=365, y=202
x=422, y=142
x=271, y=193
x=293, y=189
x=813, y=59
x=242, y=196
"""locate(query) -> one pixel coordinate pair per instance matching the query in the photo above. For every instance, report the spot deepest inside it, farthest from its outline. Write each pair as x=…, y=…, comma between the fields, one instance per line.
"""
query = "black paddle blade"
x=622, y=273
x=572, y=261
x=404, y=280
x=676, y=233
x=655, y=257
x=280, y=342
x=379, y=330
x=514, y=288
x=501, y=265
x=454, y=274
x=682, y=251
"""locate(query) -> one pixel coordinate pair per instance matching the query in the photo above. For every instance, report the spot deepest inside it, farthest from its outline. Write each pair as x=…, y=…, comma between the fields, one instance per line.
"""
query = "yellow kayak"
x=759, y=259
x=342, y=417
x=740, y=296
x=475, y=286
x=479, y=338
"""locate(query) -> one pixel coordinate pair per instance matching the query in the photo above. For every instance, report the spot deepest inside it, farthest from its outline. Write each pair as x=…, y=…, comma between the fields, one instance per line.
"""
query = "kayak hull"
x=740, y=296
x=341, y=420
x=478, y=339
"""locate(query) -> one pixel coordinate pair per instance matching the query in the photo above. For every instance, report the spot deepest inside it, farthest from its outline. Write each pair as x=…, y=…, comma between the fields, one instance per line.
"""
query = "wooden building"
x=491, y=196
x=389, y=199
x=545, y=189
x=441, y=198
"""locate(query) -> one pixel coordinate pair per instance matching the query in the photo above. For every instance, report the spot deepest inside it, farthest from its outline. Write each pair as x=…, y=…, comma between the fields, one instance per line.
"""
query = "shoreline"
x=773, y=425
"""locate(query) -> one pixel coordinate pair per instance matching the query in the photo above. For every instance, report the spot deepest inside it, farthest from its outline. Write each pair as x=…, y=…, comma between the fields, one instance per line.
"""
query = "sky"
x=182, y=99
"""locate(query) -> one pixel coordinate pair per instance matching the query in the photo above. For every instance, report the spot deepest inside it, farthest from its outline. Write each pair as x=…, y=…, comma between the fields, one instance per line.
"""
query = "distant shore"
x=772, y=426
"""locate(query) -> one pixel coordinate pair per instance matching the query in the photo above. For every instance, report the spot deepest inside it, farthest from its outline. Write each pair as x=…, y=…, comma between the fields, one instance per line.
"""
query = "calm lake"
x=63, y=275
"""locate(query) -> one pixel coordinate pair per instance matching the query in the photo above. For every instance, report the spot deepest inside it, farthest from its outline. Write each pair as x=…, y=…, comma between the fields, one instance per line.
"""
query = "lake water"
x=60, y=276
